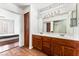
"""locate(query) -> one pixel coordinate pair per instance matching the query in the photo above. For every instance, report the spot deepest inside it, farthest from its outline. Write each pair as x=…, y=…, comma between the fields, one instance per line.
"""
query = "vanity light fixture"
x=52, y=14
x=55, y=12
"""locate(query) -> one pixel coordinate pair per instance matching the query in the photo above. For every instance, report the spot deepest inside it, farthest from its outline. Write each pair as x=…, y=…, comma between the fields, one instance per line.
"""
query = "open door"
x=26, y=30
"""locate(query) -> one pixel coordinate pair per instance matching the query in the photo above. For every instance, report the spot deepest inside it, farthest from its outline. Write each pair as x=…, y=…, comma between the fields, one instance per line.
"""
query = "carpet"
x=8, y=46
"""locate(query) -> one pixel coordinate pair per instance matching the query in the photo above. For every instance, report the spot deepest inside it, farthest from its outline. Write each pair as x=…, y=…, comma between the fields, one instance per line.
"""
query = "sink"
x=62, y=34
x=41, y=32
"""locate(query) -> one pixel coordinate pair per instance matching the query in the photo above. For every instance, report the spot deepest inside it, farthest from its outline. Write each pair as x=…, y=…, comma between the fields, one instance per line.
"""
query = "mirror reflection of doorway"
x=48, y=27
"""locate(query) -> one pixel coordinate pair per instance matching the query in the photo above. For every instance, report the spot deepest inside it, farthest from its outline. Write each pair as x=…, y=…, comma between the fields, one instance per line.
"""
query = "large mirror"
x=60, y=20
x=58, y=26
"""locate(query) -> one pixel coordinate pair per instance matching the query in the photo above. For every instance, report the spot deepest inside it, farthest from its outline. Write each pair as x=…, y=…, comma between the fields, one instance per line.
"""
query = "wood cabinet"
x=60, y=50
x=63, y=47
x=70, y=47
x=57, y=50
x=56, y=46
x=46, y=45
x=37, y=42
x=68, y=51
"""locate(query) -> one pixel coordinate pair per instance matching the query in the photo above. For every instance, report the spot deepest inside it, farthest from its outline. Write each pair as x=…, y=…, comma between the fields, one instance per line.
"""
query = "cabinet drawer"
x=58, y=40
x=36, y=36
x=35, y=43
x=46, y=44
x=70, y=43
x=68, y=51
x=46, y=39
x=65, y=42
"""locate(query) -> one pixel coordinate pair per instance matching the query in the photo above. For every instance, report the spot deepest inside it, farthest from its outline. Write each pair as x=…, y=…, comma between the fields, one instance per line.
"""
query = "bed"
x=8, y=38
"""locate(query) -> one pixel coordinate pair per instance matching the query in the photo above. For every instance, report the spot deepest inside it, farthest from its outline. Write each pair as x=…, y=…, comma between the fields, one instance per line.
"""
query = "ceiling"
x=42, y=5
x=22, y=5
x=37, y=5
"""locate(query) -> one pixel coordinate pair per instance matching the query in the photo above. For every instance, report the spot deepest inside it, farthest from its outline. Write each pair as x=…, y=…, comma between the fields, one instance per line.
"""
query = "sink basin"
x=62, y=34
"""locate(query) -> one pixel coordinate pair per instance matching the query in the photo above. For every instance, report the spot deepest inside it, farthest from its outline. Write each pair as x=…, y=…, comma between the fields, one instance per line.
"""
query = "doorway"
x=26, y=30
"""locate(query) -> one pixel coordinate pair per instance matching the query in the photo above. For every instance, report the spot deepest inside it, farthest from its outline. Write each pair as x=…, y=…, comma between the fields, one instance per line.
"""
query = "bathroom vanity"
x=60, y=31
x=54, y=45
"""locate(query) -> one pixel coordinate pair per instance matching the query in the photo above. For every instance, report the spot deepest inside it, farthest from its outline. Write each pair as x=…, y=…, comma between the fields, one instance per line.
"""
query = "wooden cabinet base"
x=56, y=46
x=69, y=51
x=46, y=50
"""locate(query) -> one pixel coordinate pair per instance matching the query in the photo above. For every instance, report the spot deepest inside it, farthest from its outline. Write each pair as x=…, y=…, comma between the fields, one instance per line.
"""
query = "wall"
x=11, y=7
x=33, y=22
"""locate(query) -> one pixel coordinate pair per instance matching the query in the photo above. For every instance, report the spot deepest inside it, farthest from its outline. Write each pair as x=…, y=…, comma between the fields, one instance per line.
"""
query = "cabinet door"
x=68, y=51
x=39, y=44
x=46, y=50
x=57, y=50
x=46, y=45
x=35, y=42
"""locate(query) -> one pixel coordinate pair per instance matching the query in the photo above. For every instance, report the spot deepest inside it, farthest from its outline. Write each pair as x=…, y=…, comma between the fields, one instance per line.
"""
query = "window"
x=6, y=26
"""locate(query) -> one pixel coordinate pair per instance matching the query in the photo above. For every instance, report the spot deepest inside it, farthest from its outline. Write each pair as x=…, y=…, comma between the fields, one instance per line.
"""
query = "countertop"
x=58, y=35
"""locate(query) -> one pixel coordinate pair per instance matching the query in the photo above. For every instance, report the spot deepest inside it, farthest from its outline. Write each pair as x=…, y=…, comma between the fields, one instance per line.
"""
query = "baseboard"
x=30, y=47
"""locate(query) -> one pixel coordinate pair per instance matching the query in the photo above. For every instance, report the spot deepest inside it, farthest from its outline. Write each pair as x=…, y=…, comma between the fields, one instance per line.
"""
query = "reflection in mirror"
x=59, y=26
x=47, y=27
